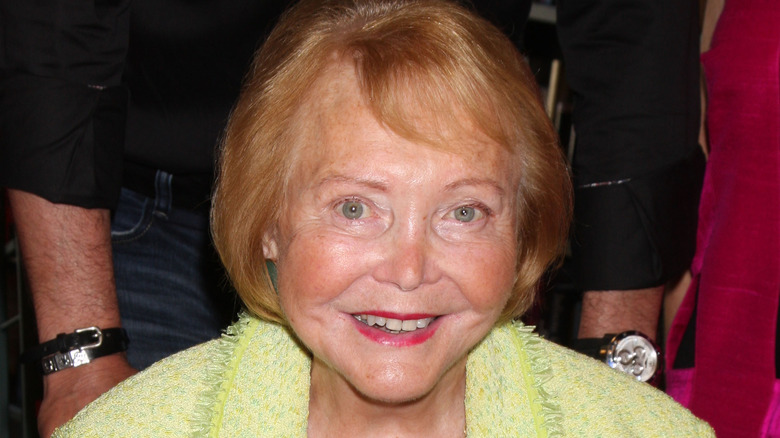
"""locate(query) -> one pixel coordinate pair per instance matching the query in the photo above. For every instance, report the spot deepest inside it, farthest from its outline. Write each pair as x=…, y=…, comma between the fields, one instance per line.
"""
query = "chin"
x=391, y=387
x=391, y=396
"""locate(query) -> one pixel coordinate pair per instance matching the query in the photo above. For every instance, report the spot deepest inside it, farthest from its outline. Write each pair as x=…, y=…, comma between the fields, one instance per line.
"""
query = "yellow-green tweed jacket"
x=254, y=382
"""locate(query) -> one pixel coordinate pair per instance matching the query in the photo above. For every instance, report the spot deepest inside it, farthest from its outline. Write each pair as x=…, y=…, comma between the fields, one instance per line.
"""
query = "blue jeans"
x=170, y=285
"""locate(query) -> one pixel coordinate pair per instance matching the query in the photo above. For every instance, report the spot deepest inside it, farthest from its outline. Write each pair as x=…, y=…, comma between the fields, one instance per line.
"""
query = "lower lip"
x=403, y=339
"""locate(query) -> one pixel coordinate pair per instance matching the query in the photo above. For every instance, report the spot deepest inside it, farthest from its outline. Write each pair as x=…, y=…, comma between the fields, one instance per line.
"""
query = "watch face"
x=634, y=354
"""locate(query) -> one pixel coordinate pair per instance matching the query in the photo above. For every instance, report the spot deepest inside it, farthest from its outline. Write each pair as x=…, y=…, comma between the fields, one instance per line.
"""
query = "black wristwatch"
x=75, y=349
x=631, y=352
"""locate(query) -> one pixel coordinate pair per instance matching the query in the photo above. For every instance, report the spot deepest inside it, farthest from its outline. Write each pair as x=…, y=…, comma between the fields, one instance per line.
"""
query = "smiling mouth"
x=394, y=326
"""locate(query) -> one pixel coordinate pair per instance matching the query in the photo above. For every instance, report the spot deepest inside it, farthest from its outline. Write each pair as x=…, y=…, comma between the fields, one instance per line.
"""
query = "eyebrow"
x=476, y=182
x=338, y=178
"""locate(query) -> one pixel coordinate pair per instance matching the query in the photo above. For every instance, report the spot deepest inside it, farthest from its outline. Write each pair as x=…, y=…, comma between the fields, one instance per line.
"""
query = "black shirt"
x=93, y=90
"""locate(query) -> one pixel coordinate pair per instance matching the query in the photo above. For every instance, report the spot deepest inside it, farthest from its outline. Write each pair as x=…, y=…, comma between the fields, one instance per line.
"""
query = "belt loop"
x=163, y=198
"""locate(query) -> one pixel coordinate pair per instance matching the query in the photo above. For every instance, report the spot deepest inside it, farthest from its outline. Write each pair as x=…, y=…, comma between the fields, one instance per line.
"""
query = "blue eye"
x=352, y=210
x=469, y=213
x=465, y=213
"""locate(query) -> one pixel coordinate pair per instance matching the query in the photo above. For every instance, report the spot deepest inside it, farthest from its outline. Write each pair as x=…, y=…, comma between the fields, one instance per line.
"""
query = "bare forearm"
x=617, y=311
x=67, y=254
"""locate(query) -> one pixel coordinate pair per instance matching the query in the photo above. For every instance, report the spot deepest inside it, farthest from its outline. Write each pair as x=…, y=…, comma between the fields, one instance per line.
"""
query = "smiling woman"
x=429, y=72
x=377, y=228
x=392, y=162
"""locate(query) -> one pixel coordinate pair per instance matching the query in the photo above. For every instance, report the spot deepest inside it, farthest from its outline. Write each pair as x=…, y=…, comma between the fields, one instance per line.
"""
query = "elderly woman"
x=390, y=194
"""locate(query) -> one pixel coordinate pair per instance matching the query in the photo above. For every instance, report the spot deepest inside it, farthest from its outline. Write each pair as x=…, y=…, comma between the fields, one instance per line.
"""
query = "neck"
x=336, y=408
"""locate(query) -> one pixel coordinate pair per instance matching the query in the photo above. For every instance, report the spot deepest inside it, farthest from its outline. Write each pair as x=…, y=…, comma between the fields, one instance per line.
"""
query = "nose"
x=407, y=262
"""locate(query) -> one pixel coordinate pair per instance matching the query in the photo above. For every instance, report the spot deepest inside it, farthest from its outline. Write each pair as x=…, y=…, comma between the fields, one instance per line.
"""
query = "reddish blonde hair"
x=441, y=57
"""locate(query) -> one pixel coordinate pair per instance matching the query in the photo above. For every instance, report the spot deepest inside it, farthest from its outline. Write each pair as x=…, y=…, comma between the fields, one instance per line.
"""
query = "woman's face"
x=394, y=258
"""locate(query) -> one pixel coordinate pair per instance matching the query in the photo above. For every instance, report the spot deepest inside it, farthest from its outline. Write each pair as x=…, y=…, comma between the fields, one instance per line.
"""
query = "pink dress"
x=737, y=264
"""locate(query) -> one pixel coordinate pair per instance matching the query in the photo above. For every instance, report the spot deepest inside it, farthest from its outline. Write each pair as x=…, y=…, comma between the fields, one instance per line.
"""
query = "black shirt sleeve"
x=633, y=67
x=62, y=106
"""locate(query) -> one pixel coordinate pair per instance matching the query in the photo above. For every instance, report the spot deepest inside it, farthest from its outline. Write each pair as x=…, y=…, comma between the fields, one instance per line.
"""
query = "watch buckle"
x=95, y=344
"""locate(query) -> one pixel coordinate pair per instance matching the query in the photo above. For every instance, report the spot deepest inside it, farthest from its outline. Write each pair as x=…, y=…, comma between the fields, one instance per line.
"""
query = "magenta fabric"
x=737, y=264
x=679, y=385
x=771, y=428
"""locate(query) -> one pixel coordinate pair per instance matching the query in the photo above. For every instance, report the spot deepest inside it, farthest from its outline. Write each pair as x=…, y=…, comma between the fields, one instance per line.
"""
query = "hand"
x=66, y=392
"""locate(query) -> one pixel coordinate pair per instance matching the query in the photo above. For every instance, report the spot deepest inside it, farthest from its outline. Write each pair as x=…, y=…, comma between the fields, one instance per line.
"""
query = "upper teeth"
x=394, y=325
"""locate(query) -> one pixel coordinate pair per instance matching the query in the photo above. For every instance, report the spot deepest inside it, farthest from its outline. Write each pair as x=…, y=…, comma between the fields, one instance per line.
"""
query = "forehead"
x=336, y=123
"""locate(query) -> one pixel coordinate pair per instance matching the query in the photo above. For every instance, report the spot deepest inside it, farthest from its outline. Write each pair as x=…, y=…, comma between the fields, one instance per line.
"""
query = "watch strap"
x=76, y=349
x=593, y=347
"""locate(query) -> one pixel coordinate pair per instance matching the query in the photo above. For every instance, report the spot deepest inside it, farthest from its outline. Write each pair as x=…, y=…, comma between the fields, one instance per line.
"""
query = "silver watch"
x=634, y=354
x=630, y=352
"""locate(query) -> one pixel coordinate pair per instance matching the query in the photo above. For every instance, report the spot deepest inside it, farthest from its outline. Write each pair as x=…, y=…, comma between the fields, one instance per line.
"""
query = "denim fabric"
x=170, y=285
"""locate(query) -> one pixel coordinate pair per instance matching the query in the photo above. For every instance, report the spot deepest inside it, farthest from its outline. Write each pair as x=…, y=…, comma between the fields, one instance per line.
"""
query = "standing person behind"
x=724, y=361
x=637, y=164
x=393, y=159
x=72, y=135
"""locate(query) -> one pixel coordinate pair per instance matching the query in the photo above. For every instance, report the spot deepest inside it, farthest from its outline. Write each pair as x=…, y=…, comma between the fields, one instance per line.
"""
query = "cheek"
x=487, y=276
x=314, y=269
